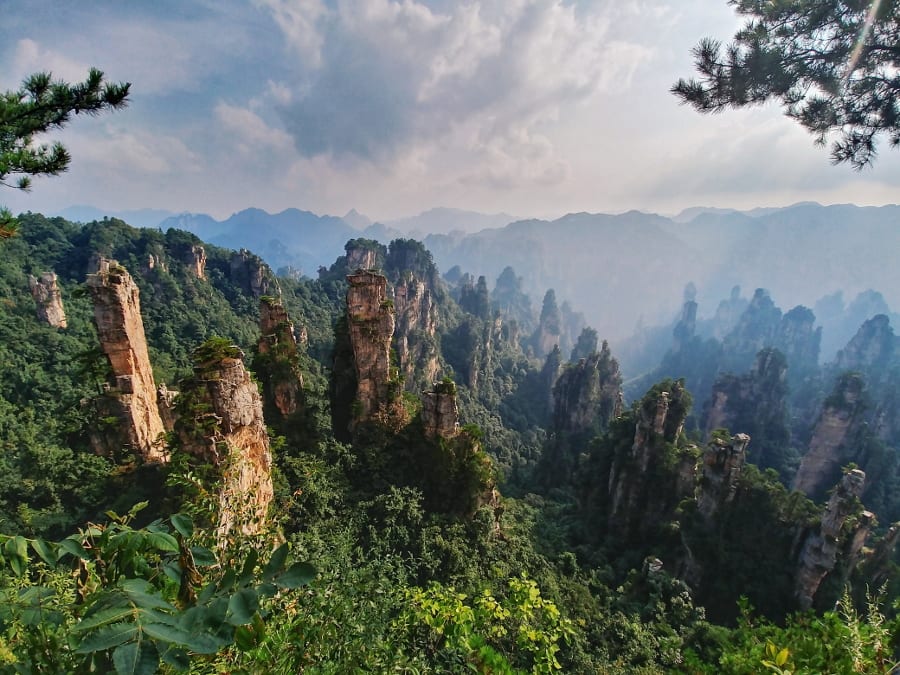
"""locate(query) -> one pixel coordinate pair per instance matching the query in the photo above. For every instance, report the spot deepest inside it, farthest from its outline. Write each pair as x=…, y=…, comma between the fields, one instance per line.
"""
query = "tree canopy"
x=832, y=64
x=40, y=105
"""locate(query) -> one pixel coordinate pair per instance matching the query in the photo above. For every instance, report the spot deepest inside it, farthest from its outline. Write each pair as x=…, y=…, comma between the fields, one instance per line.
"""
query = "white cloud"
x=31, y=57
x=299, y=20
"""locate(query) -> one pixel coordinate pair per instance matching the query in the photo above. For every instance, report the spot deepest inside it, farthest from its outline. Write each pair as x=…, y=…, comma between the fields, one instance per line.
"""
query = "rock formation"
x=642, y=492
x=799, y=341
x=829, y=447
x=221, y=422
x=440, y=415
x=414, y=335
x=195, y=260
x=757, y=404
x=117, y=313
x=721, y=466
x=166, y=402
x=370, y=316
x=359, y=256
x=870, y=350
x=278, y=367
x=757, y=327
x=728, y=313
x=45, y=292
x=587, y=394
x=252, y=275
x=820, y=550
x=686, y=327
x=549, y=327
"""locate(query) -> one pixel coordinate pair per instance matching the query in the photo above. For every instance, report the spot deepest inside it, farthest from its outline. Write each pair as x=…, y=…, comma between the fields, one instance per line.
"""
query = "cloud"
x=480, y=79
x=30, y=57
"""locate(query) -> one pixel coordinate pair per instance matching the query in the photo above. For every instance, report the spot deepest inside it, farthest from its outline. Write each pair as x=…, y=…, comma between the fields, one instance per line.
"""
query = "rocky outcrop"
x=757, y=404
x=195, y=260
x=728, y=313
x=45, y=292
x=829, y=449
x=587, y=394
x=370, y=318
x=117, y=313
x=166, y=402
x=870, y=350
x=549, y=328
x=252, y=275
x=440, y=415
x=820, y=550
x=648, y=481
x=686, y=327
x=277, y=366
x=221, y=422
x=799, y=341
x=721, y=465
x=414, y=334
x=757, y=327
x=360, y=256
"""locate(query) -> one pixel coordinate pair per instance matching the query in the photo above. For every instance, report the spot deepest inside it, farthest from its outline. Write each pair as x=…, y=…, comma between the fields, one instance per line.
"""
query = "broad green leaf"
x=297, y=575
x=45, y=550
x=136, y=658
x=242, y=606
x=137, y=508
x=73, y=546
x=107, y=616
x=183, y=524
x=167, y=633
x=203, y=557
x=173, y=571
x=162, y=541
x=107, y=637
x=16, y=550
x=249, y=566
x=176, y=657
x=276, y=562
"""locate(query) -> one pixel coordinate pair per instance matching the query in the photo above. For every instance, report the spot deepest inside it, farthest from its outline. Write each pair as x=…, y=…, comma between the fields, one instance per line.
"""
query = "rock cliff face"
x=359, y=256
x=722, y=464
x=728, y=313
x=254, y=277
x=686, y=326
x=195, y=259
x=641, y=495
x=799, y=341
x=414, y=336
x=281, y=376
x=829, y=447
x=587, y=394
x=440, y=415
x=221, y=421
x=370, y=318
x=755, y=403
x=820, y=550
x=870, y=350
x=549, y=330
x=757, y=327
x=46, y=295
x=117, y=313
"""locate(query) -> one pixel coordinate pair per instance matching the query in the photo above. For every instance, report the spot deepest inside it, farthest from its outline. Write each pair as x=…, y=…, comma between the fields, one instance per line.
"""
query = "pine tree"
x=833, y=65
x=43, y=104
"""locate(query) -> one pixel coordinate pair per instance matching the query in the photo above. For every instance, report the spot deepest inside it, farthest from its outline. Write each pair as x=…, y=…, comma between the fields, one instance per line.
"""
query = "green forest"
x=446, y=477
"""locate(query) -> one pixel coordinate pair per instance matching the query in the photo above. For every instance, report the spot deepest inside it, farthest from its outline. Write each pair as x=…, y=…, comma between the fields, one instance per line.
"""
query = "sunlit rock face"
x=224, y=425
x=414, y=335
x=253, y=276
x=133, y=394
x=45, y=292
x=588, y=393
x=440, y=414
x=371, y=327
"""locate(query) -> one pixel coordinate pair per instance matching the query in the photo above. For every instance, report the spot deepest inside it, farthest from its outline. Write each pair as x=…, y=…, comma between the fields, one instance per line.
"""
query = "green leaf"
x=276, y=562
x=16, y=550
x=45, y=550
x=107, y=616
x=203, y=557
x=176, y=657
x=162, y=541
x=242, y=606
x=73, y=545
x=107, y=637
x=782, y=657
x=183, y=524
x=297, y=575
x=167, y=633
x=136, y=658
x=249, y=566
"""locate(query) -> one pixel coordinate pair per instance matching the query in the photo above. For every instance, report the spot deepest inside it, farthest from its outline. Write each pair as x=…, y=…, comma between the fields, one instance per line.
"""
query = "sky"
x=535, y=108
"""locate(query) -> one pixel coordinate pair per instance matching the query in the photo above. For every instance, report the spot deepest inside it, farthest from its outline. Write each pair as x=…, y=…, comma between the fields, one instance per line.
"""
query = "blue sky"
x=532, y=107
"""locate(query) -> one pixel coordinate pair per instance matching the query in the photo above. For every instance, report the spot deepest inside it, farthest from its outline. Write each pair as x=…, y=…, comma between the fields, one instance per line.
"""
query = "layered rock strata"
x=45, y=292
x=414, y=335
x=440, y=414
x=371, y=327
x=117, y=313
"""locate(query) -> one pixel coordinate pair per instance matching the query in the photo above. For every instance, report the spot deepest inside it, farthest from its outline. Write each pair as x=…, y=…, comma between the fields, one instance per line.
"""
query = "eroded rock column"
x=45, y=292
x=117, y=313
